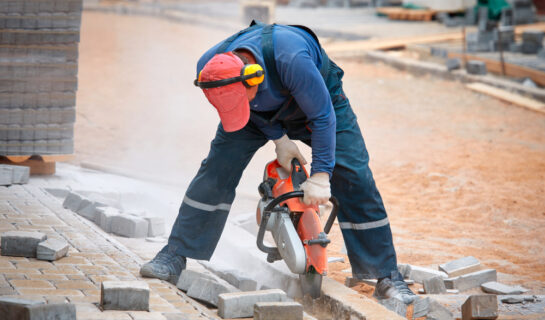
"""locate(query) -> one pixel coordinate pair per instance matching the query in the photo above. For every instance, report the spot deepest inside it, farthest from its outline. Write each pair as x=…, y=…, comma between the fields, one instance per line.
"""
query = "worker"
x=275, y=82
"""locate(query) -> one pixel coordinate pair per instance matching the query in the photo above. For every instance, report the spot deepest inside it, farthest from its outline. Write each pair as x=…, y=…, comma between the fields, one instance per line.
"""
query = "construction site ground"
x=460, y=173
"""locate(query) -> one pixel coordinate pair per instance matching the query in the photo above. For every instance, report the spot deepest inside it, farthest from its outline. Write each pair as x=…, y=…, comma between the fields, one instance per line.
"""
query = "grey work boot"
x=166, y=265
x=394, y=287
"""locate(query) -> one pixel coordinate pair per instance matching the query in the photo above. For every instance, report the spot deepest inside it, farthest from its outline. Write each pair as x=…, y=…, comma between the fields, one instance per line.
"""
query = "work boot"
x=394, y=287
x=166, y=265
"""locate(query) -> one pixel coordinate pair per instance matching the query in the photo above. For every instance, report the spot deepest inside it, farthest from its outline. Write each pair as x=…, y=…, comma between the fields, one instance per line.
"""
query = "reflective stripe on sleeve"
x=206, y=207
x=365, y=225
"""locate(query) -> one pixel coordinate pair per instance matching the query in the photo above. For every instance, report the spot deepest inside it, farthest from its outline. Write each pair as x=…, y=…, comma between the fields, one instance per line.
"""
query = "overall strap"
x=223, y=47
x=267, y=48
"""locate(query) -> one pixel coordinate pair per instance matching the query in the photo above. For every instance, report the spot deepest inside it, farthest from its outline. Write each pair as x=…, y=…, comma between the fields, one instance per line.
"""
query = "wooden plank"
x=511, y=70
x=507, y=96
x=400, y=43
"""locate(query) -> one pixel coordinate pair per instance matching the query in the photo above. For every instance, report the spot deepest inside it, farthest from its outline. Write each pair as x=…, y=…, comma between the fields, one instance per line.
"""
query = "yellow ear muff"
x=199, y=77
x=251, y=69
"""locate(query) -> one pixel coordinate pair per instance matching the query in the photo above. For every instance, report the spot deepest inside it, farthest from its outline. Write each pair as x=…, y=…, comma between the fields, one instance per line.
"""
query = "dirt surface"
x=460, y=173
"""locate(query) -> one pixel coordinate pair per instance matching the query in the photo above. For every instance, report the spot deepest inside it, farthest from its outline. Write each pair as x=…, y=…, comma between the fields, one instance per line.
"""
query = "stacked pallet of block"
x=38, y=75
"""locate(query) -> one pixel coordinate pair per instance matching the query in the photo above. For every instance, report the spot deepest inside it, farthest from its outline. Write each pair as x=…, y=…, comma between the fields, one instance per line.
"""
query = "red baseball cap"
x=231, y=100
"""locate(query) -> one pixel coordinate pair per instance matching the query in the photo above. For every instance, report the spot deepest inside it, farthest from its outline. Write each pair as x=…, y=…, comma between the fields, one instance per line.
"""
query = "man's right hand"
x=286, y=150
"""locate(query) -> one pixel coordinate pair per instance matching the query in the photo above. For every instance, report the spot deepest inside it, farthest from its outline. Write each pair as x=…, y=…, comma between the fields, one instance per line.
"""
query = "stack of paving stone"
x=523, y=11
x=112, y=220
x=38, y=75
x=489, y=37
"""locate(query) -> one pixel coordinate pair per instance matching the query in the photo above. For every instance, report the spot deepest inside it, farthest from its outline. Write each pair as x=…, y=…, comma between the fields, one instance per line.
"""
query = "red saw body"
x=296, y=227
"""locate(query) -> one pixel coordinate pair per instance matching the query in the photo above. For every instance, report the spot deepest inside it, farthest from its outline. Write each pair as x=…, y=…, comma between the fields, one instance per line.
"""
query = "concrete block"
x=129, y=226
x=6, y=175
x=500, y=288
x=437, y=311
x=52, y=249
x=480, y=307
x=531, y=47
x=418, y=274
x=208, y=290
x=476, y=67
x=88, y=209
x=535, y=36
x=156, y=226
x=241, y=304
x=15, y=308
x=21, y=243
x=471, y=280
x=56, y=311
x=247, y=284
x=541, y=54
x=72, y=201
x=460, y=266
x=434, y=285
x=124, y=295
x=405, y=270
x=287, y=310
x=421, y=307
x=189, y=276
x=395, y=305
x=453, y=64
x=104, y=216
x=21, y=174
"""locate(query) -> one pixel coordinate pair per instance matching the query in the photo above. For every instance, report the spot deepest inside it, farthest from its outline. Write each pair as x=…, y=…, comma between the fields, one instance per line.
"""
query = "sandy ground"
x=460, y=173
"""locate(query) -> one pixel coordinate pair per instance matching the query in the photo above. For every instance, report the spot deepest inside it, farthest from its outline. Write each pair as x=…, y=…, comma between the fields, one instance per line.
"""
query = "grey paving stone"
x=480, y=307
x=395, y=305
x=129, y=226
x=500, y=288
x=124, y=295
x=418, y=274
x=21, y=174
x=453, y=64
x=104, y=216
x=531, y=47
x=208, y=290
x=460, y=266
x=241, y=304
x=21, y=243
x=72, y=201
x=512, y=299
x=541, y=53
x=52, y=249
x=476, y=67
x=15, y=308
x=405, y=270
x=421, y=307
x=56, y=311
x=437, y=311
x=6, y=175
x=287, y=310
x=471, y=280
x=88, y=209
x=189, y=276
x=351, y=281
x=247, y=284
x=535, y=36
x=434, y=285
x=156, y=226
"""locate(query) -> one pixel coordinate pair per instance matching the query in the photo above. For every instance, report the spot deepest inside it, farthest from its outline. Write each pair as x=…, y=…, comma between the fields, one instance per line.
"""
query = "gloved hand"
x=286, y=150
x=317, y=189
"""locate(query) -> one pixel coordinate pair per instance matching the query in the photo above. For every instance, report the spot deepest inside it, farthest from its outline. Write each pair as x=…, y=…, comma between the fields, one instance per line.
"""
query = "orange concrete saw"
x=295, y=227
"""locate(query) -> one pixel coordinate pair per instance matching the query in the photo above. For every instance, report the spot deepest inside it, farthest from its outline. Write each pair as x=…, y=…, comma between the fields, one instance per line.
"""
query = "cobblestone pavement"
x=94, y=256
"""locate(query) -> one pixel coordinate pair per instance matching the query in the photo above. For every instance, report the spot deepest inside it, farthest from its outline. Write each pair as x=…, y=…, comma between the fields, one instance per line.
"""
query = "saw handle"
x=267, y=214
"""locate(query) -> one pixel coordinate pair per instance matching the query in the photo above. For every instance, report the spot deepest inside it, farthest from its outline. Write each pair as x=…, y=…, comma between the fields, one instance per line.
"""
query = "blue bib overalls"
x=362, y=217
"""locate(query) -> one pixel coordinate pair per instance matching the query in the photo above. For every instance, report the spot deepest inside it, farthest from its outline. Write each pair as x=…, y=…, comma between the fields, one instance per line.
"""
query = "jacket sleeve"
x=303, y=79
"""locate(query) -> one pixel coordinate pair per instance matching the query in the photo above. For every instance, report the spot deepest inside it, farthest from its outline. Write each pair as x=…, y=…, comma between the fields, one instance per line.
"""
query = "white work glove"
x=286, y=150
x=317, y=189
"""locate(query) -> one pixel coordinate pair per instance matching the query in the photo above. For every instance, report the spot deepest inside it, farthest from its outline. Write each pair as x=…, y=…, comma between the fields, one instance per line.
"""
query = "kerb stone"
x=57, y=311
x=500, y=288
x=287, y=310
x=124, y=295
x=129, y=226
x=15, y=308
x=480, y=307
x=471, y=280
x=21, y=243
x=188, y=276
x=208, y=290
x=52, y=249
x=418, y=274
x=241, y=304
x=460, y=266
x=156, y=226
x=72, y=201
x=435, y=285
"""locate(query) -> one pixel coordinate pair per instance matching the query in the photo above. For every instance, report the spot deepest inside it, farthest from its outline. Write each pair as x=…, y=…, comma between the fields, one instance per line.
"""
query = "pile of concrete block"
x=16, y=308
x=32, y=245
x=38, y=83
x=523, y=11
x=112, y=220
x=10, y=174
x=489, y=37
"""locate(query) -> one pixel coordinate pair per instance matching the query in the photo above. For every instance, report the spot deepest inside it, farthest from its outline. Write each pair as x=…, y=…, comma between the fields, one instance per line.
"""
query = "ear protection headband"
x=250, y=75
